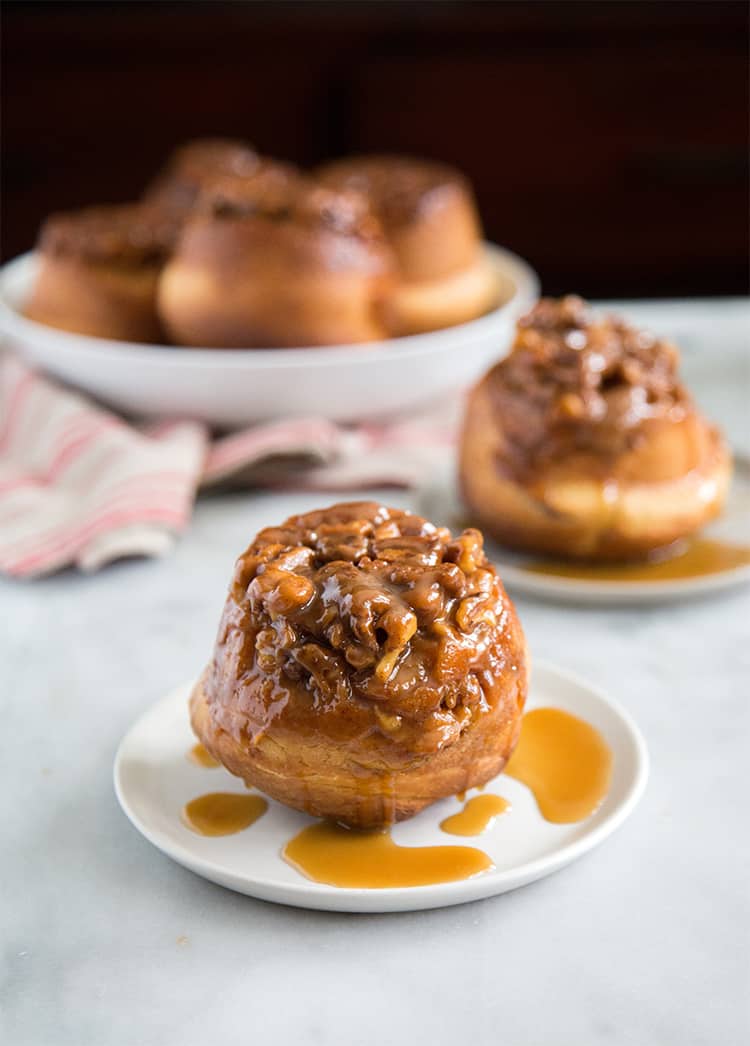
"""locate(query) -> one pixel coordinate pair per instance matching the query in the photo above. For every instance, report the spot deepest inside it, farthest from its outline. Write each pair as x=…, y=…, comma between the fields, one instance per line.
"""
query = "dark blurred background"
x=607, y=141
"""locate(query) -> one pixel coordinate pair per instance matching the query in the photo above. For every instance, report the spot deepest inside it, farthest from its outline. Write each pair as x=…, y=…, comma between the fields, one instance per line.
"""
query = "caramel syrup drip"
x=699, y=558
x=564, y=761
x=202, y=757
x=223, y=813
x=328, y=853
x=477, y=816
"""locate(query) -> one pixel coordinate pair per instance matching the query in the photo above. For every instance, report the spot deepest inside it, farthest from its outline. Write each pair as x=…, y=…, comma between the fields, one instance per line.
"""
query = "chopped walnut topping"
x=575, y=382
x=268, y=188
x=197, y=164
x=276, y=191
x=367, y=606
x=398, y=186
x=129, y=234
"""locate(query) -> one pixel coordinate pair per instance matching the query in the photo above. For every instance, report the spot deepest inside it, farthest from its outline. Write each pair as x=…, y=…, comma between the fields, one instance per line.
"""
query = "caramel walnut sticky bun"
x=584, y=442
x=576, y=382
x=367, y=664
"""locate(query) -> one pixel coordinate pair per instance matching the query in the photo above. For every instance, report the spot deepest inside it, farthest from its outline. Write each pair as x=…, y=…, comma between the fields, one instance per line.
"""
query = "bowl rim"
x=15, y=277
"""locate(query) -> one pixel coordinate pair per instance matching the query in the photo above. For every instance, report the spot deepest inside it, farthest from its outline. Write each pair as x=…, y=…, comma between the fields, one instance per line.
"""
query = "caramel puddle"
x=223, y=813
x=202, y=757
x=701, y=556
x=328, y=853
x=477, y=816
x=565, y=762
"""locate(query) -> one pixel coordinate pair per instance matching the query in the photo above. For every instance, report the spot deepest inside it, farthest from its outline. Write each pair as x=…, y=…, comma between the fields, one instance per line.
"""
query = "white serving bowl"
x=232, y=387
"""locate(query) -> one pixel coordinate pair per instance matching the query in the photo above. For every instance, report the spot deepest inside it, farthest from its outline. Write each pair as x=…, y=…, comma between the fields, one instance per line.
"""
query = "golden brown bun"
x=609, y=486
x=431, y=222
x=99, y=269
x=296, y=265
x=367, y=664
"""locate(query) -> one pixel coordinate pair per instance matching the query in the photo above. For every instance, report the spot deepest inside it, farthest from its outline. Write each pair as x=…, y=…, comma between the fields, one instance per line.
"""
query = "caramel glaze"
x=373, y=615
x=317, y=226
x=575, y=385
x=400, y=186
x=477, y=816
x=367, y=663
x=329, y=853
x=697, y=557
x=199, y=755
x=223, y=813
x=565, y=762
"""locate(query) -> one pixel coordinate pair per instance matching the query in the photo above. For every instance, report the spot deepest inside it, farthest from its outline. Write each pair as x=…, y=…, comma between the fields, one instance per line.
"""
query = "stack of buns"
x=231, y=249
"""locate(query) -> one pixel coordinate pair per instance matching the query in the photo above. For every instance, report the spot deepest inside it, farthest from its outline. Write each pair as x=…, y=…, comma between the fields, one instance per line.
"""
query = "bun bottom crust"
x=652, y=497
x=417, y=308
x=373, y=788
x=97, y=300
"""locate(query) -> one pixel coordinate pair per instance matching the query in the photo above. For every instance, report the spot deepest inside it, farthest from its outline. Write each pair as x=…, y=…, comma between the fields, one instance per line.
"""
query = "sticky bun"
x=431, y=222
x=367, y=664
x=583, y=441
x=276, y=261
x=99, y=269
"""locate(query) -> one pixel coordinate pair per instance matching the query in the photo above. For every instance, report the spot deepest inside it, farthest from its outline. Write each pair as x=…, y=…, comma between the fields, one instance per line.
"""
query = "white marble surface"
x=106, y=942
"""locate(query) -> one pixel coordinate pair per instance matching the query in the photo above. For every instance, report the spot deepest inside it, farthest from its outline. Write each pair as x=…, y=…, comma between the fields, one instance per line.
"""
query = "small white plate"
x=442, y=504
x=154, y=780
x=233, y=387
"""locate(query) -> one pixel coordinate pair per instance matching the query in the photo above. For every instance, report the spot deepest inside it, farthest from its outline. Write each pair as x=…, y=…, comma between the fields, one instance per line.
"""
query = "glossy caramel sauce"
x=575, y=383
x=477, y=816
x=328, y=853
x=202, y=757
x=223, y=813
x=401, y=632
x=564, y=761
x=698, y=558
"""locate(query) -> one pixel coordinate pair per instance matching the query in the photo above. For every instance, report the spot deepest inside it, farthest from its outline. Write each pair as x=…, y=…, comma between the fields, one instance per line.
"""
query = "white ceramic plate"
x=153, y=781
x=441, y=503
x=232, y=387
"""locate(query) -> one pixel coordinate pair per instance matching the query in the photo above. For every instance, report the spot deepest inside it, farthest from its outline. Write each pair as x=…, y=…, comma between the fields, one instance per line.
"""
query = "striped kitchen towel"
x=81, y=486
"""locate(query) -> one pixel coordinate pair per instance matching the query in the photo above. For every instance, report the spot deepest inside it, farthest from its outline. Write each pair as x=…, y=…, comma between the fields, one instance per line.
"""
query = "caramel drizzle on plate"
x=564, y=761
x=200, y=755
x=700, y=557
x=329, y=853
x=223, y=813
x=477, y=816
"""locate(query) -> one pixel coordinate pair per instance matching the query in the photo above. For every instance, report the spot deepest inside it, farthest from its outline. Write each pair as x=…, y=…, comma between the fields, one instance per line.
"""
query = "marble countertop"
x=105, y=941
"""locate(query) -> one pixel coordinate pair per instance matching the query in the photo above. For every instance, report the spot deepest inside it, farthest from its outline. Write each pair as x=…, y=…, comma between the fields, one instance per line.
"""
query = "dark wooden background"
x=607, y=140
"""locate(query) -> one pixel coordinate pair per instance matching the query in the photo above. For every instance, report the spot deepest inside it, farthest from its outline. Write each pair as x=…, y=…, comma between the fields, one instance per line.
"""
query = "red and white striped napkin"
x=81, y=486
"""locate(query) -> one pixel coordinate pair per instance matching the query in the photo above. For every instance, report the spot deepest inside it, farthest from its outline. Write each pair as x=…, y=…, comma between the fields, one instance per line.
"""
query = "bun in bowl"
x=432, y=225
x=99, y=269
x=276, y=261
